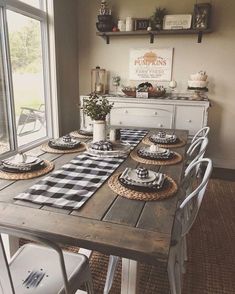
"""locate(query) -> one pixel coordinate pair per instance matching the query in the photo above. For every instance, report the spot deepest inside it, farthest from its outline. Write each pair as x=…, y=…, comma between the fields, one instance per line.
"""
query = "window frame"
x=49, y=77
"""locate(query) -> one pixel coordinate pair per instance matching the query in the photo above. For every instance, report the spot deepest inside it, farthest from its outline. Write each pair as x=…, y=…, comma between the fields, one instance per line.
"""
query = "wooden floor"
x=211, y=243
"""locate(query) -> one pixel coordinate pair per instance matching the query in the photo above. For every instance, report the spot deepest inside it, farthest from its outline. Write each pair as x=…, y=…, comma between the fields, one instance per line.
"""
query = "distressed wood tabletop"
x=107, y=222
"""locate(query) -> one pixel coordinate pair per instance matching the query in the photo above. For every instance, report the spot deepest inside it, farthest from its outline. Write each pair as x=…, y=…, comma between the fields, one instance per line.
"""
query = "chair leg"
x=89, y=283
x=113, y=261
x=182, y=254
x=174, y=269
x=89, y=287
x=171, y=275
x=185, y=252
x=178, y=277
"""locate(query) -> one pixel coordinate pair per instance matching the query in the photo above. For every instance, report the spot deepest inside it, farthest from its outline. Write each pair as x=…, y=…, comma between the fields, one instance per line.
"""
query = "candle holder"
x=98, y=80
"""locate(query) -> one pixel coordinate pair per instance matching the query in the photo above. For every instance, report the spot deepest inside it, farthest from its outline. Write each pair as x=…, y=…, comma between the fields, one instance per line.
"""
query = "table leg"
x=129, y=283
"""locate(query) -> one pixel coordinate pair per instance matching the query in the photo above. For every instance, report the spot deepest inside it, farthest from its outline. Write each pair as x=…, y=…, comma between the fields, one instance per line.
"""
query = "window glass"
x=27, y=76
x=4, y=134
x=35, y=3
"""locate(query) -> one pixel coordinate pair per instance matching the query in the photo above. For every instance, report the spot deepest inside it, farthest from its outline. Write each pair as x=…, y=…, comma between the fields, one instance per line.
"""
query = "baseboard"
x=223, y=174
x=224, y=163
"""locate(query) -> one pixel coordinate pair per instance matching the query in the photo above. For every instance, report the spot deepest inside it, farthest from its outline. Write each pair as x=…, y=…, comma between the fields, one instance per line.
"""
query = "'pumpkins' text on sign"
x=151, y=64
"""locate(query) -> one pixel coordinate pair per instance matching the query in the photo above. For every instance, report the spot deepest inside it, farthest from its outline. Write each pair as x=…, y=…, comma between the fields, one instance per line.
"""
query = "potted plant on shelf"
x=97, y=108
x=157, y=18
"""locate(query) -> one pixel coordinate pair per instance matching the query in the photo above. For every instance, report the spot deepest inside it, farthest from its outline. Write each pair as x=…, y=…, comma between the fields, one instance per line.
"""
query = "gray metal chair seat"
x=37, y=269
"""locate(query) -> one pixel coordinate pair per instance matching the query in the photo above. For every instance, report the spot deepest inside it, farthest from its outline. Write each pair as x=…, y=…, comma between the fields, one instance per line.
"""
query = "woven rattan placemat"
x=169, y=190
x=28, y=175
x=45, y=147
x=76, y=134
x=180, y=143
x=176, y=159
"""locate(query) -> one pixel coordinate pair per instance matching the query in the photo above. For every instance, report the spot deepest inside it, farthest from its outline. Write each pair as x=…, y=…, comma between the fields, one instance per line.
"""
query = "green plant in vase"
x=97, y=108
x=157, y=18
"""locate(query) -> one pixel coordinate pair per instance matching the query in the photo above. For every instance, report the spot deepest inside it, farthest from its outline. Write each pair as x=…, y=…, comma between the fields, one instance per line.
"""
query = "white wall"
x=216, y=55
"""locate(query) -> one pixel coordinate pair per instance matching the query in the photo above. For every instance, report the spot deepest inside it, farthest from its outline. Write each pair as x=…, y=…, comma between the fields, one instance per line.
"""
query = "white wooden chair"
x=37, y=269
x=203, y=132
x=183, y=222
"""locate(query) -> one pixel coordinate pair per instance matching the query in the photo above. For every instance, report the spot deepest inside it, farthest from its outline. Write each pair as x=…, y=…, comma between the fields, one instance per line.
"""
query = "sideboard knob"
x=160, y=125
x=155, y=112
x=126, y=111
x=189, y=120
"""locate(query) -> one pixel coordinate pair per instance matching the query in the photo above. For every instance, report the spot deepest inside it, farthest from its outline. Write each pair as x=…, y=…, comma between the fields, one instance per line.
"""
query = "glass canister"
x=122, y=25
x=129, y=24
x=98, y=80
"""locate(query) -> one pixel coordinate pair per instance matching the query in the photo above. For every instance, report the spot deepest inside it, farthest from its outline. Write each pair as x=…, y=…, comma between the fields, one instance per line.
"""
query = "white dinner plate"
x=14, y=160
x=167, y=137
x=119, y=149
x=159, y=151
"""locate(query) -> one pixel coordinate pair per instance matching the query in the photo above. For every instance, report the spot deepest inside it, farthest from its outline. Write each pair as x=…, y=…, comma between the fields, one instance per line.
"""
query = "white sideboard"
x=156, y=113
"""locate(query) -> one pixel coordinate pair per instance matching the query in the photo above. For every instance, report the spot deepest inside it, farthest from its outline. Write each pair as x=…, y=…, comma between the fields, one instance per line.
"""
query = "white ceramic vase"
x=99, y=130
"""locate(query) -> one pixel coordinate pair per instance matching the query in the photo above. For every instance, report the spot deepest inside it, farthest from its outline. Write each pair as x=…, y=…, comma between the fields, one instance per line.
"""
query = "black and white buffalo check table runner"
x=75, y=182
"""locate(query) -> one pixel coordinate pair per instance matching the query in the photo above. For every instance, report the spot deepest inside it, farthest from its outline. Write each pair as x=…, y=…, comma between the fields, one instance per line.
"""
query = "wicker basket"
x=151, y=94
x=129, y=93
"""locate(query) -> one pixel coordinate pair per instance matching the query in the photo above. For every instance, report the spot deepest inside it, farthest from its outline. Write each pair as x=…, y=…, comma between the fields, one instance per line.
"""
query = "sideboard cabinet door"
x=191, y=118
x=146, y=116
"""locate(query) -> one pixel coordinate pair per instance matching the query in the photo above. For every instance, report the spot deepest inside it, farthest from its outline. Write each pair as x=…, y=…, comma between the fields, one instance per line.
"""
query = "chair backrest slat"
x=198, y=147
x=34, y=237
x=203, y=132
x=6, y=285
x=194, y=199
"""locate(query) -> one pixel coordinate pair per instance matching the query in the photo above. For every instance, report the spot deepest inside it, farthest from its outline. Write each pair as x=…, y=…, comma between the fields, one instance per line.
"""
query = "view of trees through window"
x=27, y=74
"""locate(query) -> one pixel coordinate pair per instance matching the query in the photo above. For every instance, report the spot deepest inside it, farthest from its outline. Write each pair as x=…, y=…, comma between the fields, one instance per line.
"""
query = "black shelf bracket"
x=151, y=35
x=199, y=37
x=106, y=37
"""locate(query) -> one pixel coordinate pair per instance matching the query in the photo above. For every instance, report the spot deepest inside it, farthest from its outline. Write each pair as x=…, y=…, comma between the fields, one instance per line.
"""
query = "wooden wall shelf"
x=153, y=34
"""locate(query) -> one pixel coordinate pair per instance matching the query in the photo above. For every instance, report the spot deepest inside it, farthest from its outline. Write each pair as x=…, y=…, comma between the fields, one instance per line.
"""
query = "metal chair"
x=36, y=269
x=183, y=222
x=31, y=117
x=196, y=151
x=203, y=132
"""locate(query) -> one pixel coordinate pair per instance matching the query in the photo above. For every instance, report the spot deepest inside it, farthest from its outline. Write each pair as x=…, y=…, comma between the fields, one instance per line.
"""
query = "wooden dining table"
x=137, y=231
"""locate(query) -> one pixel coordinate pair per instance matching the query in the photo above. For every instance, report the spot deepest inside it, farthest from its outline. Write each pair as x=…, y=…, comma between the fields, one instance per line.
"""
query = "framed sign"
x=141, y=24
x=177, y=22
x=151, y=64
x=201, y=16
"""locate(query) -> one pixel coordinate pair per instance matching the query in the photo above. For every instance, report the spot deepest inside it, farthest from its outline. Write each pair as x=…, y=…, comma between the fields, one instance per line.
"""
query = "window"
x=35, y=3
x=4, y=130
x=24, y=76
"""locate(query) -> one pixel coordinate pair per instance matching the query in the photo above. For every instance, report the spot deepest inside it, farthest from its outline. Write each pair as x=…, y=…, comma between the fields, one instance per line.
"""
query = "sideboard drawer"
x=141, y=117
x=189, y=118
